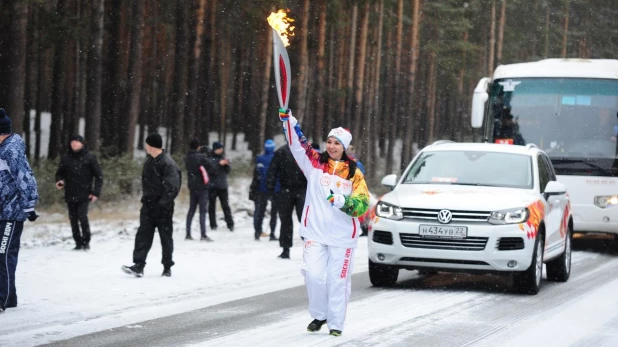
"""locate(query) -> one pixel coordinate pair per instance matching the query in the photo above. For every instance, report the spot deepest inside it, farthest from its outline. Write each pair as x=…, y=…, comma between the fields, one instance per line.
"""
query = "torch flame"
x=281, y=23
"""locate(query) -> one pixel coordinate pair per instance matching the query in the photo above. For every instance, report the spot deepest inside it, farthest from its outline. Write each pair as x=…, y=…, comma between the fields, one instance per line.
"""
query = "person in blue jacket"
x=258, y=192
x=18, y=196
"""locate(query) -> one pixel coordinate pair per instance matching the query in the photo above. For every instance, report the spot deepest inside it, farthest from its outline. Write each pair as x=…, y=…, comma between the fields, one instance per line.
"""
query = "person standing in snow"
x=160, y=185
x=352, y=155
x=284, y=171
x=76, y=173
x=218, y=187
x=336, y=196
x=18, y=196
x=198, y=165
x=258, y=192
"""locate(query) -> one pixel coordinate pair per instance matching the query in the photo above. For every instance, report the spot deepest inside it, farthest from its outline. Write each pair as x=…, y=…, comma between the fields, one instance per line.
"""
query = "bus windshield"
x=574, y=120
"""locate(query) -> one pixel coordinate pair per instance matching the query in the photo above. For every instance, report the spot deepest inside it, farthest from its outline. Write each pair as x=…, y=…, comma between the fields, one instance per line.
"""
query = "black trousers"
x=10, y=235
x=78, y=214
x=213, y=194
x=197, y=198
x=261, y=201
x=151, y=217
x=286, y=201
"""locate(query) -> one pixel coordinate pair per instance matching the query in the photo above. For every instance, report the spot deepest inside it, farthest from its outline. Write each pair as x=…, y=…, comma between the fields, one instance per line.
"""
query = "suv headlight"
x=512, y=216
x=386, y=210
x=606, y=201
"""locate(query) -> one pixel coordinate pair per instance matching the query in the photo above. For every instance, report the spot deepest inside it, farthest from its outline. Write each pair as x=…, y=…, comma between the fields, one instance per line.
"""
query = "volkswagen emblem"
x=445, y=216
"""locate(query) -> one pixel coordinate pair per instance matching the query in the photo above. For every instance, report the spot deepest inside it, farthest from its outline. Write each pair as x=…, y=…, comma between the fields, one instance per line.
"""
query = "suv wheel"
x=559, y=269
x=529, y=281
x=382, y=275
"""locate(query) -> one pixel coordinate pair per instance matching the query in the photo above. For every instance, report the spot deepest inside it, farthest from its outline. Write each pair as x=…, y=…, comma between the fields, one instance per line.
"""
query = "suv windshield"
x=574, y=120
x=472, y=168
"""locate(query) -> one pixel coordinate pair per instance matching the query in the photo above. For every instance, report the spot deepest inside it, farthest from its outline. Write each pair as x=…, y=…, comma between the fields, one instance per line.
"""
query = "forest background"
x=395, y=72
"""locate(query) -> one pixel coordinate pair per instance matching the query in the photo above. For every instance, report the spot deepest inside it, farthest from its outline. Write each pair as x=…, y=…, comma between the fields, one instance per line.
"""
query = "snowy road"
x=437, y=310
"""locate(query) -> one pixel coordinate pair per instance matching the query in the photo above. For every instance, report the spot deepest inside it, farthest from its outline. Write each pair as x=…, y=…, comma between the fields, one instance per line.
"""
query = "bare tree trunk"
x=501, y=32
x=546, y=50
x=320, y=95
x=330, y=99
x=459, y=112
x=492, y=39
x=349, y=94
x=394, y=116
x=431, y=99
x=373, y=130
x=17, y=75
x=135, y=75
x=58, y=88
x=304, y=64
x=194, y=76
x=265, y=88
x=180, y=76
x=386, y=106
x=565, y=30
x=224, y=77
x=406, y=156
x=357, y=110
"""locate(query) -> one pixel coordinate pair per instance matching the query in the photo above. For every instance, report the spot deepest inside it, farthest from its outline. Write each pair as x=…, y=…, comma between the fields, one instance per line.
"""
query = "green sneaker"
x=315, y=325
x=335, y=332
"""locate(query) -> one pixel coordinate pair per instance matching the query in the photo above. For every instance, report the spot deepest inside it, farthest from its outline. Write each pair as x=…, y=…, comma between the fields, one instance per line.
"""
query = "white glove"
x=336, y=200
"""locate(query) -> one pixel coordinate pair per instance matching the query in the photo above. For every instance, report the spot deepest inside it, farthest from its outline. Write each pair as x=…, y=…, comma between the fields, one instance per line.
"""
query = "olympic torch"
x=282, y=29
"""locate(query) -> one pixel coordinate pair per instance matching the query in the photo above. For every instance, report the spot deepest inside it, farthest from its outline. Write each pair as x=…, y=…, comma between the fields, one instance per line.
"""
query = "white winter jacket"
x=321, y=222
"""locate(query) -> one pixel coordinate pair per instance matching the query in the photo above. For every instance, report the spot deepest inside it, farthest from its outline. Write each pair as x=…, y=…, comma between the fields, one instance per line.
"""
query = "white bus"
x=569, y=109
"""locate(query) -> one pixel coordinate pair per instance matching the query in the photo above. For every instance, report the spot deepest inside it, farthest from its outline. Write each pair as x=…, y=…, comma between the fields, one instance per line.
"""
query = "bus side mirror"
x=478, y=103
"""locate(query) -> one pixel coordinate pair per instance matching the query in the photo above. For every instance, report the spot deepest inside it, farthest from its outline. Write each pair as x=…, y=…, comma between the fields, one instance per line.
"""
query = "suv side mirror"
x=478, y=103
x=390, y=181
x=554, y=188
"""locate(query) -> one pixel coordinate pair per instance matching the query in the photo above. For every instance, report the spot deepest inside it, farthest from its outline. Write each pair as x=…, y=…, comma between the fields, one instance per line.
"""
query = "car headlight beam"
x=386, y=210
x=511, y=216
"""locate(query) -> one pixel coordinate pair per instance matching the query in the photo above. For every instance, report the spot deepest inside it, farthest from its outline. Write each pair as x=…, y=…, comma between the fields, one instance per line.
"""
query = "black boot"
x=273, y=237
x=188, y=237
x=316, y=325
x=78, y=247
x=135, y=270
x=285, y=254
x=86, y=247
x=167, y=272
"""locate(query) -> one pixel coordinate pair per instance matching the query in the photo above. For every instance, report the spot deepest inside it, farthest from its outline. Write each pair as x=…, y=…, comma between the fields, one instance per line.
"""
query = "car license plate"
x=442, y=231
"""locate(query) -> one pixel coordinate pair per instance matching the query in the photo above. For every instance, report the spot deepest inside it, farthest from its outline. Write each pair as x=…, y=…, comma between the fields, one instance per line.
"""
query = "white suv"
x=474, y=207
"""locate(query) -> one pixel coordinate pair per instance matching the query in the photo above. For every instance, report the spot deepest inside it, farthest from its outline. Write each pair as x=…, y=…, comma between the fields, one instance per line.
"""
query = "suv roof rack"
x=531, y=145
x=441, y=142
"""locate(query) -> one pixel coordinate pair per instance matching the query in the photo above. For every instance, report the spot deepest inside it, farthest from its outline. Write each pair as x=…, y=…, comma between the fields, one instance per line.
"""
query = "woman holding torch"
x=336, y=196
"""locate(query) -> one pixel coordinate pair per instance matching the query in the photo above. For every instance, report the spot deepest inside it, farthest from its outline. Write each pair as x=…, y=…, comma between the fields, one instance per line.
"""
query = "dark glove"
x=32, y=216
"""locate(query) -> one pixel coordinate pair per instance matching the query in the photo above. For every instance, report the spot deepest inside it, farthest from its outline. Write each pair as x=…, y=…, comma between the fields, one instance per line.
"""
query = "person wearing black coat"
x=217, y=188
x=80, y=175
x=160, y=185
x=198, y=166
x=291, y=195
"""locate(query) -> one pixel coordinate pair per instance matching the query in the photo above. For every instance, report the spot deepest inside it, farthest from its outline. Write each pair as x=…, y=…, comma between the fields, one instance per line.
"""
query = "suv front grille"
x=510, y=243
x=384, y=237
x=467, y=244
x=458, y=216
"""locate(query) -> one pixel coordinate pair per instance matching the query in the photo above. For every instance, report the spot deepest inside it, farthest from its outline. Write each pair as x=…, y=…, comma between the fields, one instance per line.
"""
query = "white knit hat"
x=342, y=135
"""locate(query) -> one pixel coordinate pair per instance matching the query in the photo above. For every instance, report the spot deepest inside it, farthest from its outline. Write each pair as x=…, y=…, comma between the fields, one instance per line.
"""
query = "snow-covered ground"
x=64, y=293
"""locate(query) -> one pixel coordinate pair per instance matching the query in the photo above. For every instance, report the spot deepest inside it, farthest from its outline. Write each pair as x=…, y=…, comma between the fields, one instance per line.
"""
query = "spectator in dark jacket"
x=160, y=186
x=258, y=192
x=80, y=175
x=292, y=195
x=198, y=165
x=217, y=187
x=18, y=196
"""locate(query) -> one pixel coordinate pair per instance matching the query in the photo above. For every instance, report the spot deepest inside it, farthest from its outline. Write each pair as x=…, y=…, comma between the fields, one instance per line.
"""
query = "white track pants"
x=328, y=274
